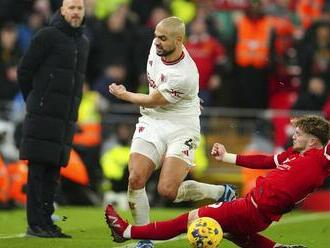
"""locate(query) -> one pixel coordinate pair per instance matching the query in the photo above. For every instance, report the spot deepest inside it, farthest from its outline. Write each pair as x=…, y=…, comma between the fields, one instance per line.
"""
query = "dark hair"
x=314, y=125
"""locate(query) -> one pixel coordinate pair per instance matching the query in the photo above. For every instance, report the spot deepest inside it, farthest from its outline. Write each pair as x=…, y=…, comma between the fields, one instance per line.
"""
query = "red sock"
x=161, y=230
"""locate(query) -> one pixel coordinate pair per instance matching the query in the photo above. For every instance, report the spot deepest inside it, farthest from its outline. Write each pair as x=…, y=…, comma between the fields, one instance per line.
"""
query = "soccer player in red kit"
x=295, y=173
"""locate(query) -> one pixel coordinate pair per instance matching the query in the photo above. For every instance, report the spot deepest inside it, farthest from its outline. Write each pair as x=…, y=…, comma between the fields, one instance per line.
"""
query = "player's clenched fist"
x=218, y=151
x=117, y=90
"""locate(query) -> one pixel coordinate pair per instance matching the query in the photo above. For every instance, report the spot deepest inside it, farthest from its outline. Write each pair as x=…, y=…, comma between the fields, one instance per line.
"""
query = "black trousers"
x=41, y=187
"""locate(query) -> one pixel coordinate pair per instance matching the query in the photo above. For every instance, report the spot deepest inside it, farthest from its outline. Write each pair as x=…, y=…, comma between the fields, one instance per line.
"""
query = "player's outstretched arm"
x=249, y=161
x=152, y=100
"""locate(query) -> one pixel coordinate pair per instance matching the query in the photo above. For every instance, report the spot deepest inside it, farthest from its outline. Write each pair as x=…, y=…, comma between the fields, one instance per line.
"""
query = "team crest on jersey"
x=141, y=129
x=150, y=62
x=162, y=78
x=284, y=165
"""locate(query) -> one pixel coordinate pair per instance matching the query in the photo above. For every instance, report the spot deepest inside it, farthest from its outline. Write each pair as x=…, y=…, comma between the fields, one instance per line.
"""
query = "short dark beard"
x=166, y=53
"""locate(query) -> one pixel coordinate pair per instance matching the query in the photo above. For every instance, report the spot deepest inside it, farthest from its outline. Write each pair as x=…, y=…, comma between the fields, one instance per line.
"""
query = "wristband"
x=229, y=158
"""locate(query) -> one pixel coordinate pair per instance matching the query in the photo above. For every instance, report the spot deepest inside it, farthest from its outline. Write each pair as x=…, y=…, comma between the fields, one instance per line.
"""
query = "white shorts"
x=158, y=139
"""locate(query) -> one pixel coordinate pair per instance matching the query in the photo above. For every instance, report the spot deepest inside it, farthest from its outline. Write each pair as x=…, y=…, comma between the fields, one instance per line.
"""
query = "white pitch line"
x=12, y=236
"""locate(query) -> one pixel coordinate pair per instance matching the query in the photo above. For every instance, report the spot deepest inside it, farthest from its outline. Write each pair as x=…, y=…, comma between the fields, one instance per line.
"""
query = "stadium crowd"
x=258, y=54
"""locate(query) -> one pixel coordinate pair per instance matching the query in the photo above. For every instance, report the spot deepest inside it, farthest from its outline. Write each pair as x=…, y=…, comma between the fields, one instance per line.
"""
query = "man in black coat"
x=51, y=75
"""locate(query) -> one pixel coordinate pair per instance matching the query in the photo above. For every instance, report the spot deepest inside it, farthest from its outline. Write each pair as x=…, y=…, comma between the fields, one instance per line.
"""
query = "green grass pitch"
x=89, y=230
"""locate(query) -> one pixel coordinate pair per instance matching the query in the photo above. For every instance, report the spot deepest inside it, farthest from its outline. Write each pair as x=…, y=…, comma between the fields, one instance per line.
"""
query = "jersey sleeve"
x=175, y=88
x=256, y=161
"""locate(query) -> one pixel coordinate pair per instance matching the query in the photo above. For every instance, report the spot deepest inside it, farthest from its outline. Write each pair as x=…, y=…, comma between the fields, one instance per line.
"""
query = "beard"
x=164, y=53
x=75, y=23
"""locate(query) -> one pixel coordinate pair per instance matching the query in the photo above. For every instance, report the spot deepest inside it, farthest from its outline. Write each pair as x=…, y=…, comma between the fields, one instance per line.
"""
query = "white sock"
x=127, y=232
x=191, y=190
x=139, y=205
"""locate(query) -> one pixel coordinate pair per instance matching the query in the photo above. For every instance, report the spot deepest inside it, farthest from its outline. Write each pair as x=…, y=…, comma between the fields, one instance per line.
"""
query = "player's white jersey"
x=178, y=82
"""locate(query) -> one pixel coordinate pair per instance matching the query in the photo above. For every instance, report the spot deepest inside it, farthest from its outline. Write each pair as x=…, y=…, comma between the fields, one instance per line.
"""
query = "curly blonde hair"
x=314, y=125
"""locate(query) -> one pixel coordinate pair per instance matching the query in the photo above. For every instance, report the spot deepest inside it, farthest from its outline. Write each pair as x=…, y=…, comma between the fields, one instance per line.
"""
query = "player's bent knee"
x=136, y=182
x=167, y=192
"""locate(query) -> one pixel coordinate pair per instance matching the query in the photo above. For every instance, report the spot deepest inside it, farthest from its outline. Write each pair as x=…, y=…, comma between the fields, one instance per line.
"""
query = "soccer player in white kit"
x=168, y=131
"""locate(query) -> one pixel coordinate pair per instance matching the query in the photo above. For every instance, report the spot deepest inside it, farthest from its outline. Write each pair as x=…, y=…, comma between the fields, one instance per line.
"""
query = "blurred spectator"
x=309, y=11
x=27, y=29
x=185, y=9
x=285, y=77
x=43, y=7
x=104, y=8
x=116, y=72
x=208, y=55
x=8, y=149
x=55, y=4
x=114, y=160
x=254, y=55
x=92, y=28
x=87, y=140
x=284, y=22
x=144, y=9
x=144, y=38
x=315, y=53
x=224, y=20
x=113, y=44
x=9, y=56
x=314, y=98
x=204, y=11
x=91, y=22
x=14, y=10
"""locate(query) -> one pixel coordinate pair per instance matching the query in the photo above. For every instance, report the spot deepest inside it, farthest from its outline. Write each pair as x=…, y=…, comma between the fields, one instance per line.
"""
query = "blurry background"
x=261, y=62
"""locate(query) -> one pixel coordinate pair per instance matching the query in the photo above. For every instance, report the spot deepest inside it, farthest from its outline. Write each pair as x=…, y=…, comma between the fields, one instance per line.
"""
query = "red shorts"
x=237, y=217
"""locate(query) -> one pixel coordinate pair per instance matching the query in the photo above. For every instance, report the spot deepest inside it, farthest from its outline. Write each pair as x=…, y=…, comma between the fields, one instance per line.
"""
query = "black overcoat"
x=51, y=76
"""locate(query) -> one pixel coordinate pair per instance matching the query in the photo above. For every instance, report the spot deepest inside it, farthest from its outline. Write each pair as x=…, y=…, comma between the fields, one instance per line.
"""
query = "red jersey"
x=206, y=52
x=294, y=176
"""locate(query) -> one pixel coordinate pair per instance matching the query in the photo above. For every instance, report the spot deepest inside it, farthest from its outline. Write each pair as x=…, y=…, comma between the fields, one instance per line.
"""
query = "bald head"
x=73, y=12
x=174, y=26
x=169, y=36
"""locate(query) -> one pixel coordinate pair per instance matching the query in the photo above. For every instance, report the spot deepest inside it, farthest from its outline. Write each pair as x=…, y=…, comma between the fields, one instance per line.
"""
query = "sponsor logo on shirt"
x=152, y=83
x=175, y=93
